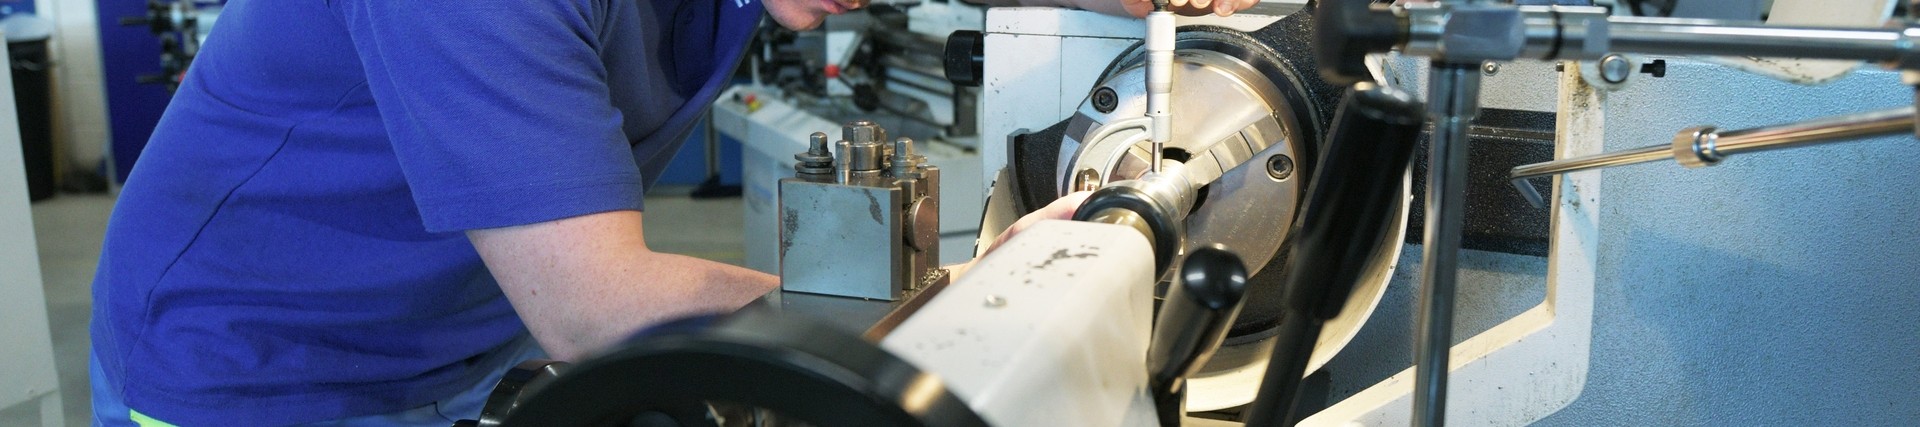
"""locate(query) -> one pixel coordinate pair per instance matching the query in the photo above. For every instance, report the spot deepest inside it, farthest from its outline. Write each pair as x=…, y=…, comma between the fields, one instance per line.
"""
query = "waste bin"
x=27, y=54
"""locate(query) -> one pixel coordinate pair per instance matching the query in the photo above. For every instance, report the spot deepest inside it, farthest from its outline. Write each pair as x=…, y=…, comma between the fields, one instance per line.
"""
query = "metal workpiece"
x=1703, y=146
x=872, y=230
x=1263, y=108
x=1126, y=217
x=1160, y=201
x=1246, y=123
x=1453, y=101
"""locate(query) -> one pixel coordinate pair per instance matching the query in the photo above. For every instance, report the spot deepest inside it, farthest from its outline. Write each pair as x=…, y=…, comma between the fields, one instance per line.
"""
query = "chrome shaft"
x=1453, y=100
x=1706, y=146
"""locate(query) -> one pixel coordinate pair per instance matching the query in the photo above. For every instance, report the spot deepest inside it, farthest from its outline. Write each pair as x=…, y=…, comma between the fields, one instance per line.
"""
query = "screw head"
x=1105, y=100
x=1280, y=166
x=1490, y=68
x=1086, y=180
x=1615, y=68
x=863, y=132
x=817, y=144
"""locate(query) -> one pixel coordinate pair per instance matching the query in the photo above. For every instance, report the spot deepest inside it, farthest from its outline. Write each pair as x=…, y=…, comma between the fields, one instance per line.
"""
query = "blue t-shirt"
x=290, y=247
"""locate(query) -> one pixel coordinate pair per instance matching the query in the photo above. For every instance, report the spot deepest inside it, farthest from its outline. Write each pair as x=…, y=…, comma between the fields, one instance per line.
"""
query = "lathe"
x=1269, y=193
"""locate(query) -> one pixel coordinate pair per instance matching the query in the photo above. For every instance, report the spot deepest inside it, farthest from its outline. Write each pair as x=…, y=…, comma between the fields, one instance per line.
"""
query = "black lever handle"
x=1354, y=194
x=1345, y=31
x=1198, y=310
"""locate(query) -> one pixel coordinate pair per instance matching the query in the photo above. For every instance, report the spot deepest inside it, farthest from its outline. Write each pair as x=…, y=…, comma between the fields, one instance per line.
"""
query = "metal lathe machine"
x=1331, y=213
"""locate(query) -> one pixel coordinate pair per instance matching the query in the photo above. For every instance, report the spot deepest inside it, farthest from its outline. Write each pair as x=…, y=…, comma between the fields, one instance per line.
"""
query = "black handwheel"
x=801, y=369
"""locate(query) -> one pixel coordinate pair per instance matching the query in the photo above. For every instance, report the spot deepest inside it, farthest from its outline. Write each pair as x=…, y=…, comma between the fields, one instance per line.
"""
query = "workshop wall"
x=1774, y=289
x=80, y=128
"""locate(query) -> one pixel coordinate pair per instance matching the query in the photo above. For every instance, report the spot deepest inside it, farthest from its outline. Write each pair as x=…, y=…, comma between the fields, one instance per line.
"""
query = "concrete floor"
x=69, y=229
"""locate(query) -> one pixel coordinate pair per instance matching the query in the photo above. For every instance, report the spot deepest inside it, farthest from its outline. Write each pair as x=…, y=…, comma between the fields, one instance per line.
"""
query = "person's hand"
x=1061, y=208
x=1139, y=8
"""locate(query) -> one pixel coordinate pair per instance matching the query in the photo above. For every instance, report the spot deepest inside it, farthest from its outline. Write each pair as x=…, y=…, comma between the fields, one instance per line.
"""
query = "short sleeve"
x=498, y=110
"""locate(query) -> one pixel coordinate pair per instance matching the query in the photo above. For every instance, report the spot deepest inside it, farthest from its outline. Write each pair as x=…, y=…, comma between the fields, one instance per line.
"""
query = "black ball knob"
x=965, y=58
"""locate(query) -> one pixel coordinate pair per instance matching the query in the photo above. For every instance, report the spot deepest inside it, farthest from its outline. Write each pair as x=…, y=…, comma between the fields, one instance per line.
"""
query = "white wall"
x=26, y=349
x=79, y=90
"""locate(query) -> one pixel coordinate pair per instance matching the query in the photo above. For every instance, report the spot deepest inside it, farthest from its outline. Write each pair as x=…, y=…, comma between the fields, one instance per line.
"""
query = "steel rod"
x=1596, y=161
x=1453, y=101
x=1736, y=38
x=1832, y=129
x=1715, y=145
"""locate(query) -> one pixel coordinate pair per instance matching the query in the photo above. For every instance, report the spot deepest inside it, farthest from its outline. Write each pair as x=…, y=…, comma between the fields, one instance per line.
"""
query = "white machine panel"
x=1051, y=328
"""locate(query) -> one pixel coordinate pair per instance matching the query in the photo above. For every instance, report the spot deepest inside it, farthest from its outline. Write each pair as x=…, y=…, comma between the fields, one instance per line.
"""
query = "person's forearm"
x=579, y=295
x=658, y=287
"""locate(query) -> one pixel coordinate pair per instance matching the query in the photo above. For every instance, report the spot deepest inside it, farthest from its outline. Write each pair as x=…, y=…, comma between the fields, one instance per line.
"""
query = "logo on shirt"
x=741, y=3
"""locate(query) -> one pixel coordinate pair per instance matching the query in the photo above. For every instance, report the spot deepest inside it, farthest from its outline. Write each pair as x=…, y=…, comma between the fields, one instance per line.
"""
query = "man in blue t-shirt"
x=362, y=211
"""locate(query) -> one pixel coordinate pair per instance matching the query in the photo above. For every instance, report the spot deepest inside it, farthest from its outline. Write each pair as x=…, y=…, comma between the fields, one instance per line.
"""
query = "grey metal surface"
x=840, y=239
x=1804, y=316
x=772, y=134
x=852, y=315
x=822, y=217
x=1493, y=288
x=1241, y=117
x=1792, y=306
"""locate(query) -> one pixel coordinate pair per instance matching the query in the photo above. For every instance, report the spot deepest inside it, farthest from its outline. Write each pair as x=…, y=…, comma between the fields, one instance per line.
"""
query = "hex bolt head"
x=817, y=143
x=1105, y=100
x=862, y=132
x=816, y=160
x=1280, y=166
x=1615, y=68
x=903, y=148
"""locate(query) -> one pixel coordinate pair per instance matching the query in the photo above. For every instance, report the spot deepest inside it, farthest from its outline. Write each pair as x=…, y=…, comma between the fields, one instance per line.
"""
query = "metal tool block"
x=862, y=220
x=835, y=237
